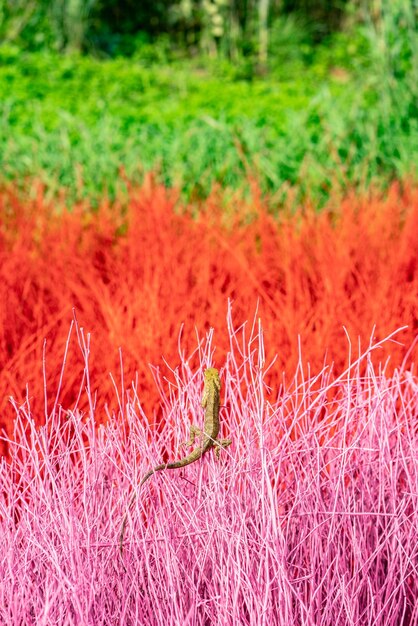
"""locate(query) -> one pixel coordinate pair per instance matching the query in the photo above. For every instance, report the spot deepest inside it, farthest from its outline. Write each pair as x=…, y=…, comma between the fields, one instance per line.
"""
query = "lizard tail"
x=159, y=468
x=194, y=456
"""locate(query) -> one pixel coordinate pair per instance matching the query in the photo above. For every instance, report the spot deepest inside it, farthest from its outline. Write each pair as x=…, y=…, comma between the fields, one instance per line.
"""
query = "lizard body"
x=211, y=404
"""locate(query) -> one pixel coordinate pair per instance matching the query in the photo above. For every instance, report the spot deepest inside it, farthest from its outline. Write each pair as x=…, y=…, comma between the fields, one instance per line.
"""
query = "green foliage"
x=340, y=114
x=290, y=44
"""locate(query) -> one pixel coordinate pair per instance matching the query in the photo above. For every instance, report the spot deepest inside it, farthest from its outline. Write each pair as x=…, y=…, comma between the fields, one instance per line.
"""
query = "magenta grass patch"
x=309, y=518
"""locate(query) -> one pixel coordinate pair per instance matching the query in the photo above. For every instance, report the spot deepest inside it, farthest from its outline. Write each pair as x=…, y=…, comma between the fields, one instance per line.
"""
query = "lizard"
x=211, y=404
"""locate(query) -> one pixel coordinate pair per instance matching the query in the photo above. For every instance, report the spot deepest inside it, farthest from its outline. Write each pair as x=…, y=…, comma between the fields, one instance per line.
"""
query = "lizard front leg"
x=194, y=432
x=221, y=443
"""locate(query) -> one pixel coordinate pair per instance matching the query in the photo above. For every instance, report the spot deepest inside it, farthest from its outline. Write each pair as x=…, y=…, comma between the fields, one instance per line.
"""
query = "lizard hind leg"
x=194, y=432
x=221, y=443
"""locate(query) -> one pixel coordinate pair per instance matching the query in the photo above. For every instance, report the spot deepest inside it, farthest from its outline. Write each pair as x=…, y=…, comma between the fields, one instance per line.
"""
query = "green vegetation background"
x=320, y=113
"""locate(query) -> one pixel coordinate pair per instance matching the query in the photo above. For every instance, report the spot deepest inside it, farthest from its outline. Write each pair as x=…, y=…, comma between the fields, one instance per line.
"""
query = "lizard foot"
x=221, y=443
x=194, y=432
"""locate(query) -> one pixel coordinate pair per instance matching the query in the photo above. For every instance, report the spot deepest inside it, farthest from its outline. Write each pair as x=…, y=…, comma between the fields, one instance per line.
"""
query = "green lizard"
x=211, y=403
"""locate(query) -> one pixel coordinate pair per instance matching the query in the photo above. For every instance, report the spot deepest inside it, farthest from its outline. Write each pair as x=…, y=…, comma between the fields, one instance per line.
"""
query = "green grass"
x=76, y=121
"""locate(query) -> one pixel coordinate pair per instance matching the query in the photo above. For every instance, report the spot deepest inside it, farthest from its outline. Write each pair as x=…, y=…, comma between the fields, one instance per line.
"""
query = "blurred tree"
x=14, y=17
x=71, y=21
x=323, y=16
x=263, y=14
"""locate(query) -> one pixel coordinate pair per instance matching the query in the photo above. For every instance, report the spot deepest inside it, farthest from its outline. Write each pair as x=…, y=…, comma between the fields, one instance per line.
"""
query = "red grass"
x=136, y=273
x=317, y=530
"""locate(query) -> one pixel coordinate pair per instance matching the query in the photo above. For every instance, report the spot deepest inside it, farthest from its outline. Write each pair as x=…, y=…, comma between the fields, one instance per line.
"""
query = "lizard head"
x=212, y=377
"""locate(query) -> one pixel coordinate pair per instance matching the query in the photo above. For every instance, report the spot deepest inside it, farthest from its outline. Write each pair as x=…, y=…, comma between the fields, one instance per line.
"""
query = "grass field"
x=309, y=517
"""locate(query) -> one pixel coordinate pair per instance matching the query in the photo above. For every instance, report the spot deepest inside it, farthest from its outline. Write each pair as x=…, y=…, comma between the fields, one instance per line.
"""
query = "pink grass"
x=309, y=518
